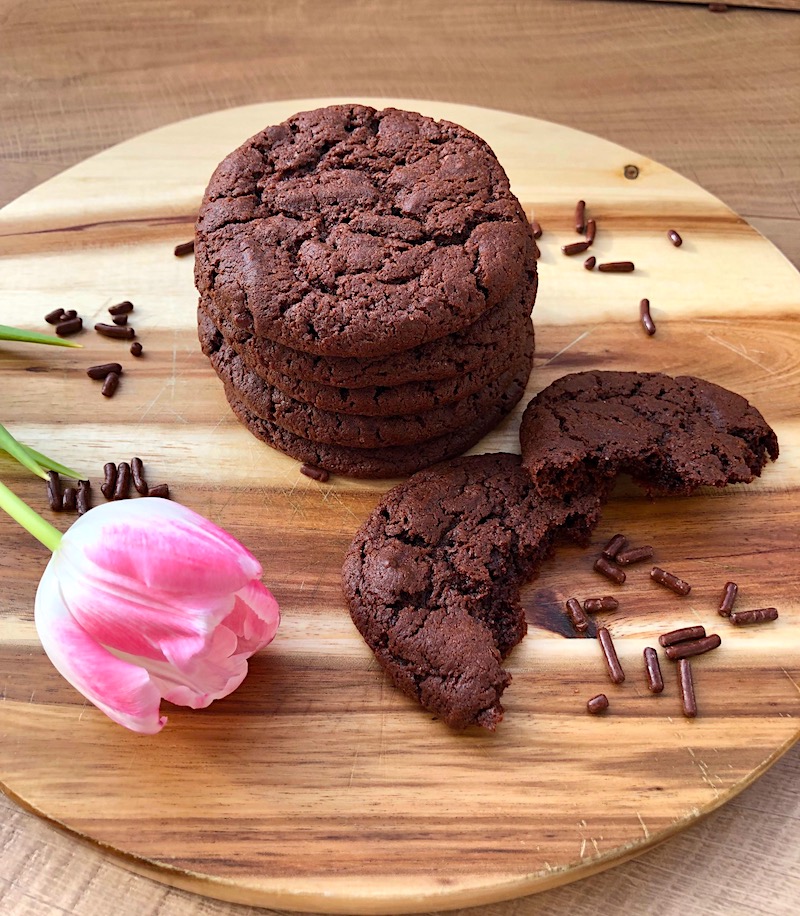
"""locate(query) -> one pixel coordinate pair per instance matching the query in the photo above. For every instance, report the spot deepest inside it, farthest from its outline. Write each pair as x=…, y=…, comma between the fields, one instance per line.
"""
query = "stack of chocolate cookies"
x=366, y=281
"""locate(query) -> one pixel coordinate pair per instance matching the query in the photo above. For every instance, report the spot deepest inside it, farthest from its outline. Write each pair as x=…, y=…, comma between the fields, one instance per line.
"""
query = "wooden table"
x=712, y=96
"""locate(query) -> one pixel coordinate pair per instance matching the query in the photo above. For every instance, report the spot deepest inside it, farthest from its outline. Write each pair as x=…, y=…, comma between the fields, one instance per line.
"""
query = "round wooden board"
x=316, y=785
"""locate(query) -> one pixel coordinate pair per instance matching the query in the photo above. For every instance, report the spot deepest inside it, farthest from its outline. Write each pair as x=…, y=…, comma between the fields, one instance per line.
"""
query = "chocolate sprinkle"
x=590, y=262
x=669, y=581
x=615, y=671
x=692, y=647
x=123, y=485
x=576, y=615
x=596, y=605
x=110, y=482
x=314, y=473
x=616, y=267
x=69, y=327
x=161, y=490
x=121, y=308
x=54, y=317
x=682, y=635
x=55, y=497
x=69, y=499
x=597, y=704
x=111, y=330
x=613, y=547
x=610, y=571
x=728, y=599
x=686, y=686
x=137, y=472
x=634, y=555
x=580, y=216
x=646, y=318
x=655, y=680
x=676, y=240
x=575, y=248
x=136, y=348
x=537, y=229
x=758, y=615
x=83, y=501
x=101, y=371
x=110, y=385
x=184, y=248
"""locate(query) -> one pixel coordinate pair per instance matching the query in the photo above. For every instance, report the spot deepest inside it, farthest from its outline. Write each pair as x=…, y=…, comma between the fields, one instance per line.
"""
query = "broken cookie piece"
x=672, y=435
x=433, y=577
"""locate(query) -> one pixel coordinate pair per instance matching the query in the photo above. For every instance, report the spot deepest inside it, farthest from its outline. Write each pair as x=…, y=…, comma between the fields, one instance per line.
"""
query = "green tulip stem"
x=22, y=336
x=34, y=461
x=31, y=521
x=52, y=465
x=17, y=450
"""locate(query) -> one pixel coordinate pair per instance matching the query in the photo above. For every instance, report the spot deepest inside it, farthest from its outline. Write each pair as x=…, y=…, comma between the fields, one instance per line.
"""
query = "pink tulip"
x=145, y=600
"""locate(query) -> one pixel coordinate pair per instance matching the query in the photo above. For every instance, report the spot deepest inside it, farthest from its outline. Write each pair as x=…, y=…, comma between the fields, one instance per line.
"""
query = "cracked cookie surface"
x=671, y=435
x=432, y=579
x=348, y=231
x=444, y=358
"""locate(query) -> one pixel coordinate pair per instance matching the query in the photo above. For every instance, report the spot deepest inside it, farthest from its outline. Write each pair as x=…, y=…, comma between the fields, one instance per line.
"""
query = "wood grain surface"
x=316, y=785
x=790, y=5
x=712, y=96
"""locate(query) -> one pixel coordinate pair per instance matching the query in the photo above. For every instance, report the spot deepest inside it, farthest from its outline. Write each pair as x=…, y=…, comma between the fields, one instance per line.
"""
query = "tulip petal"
x=255, y=617
x=221, y=666
x=207, y=677
x=160, y=544
x=145, y=623
x=123, y=691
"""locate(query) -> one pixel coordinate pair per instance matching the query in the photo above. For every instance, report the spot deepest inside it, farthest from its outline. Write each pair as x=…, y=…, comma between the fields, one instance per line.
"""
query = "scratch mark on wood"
x=341, y=502
x=796, y=686
x=568, y=346
x=740, y=351
x=704, y=772
x=353, y=769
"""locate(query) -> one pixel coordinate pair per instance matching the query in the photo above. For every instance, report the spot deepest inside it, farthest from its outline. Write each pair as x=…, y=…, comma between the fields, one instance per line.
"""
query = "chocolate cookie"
x=393, y=461
x=351, y=430
x=444, y=358
x=353, y=232
x=432, y=579
x=671, y=435
x=410, y=397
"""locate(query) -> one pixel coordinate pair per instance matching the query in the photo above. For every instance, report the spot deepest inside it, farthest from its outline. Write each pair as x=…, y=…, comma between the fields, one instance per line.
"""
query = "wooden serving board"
x=317, y=785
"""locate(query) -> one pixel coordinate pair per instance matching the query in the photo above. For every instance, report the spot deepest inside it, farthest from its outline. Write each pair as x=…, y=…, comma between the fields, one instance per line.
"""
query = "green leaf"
x=9, y=444
x=52, y=465
x=9, y=333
